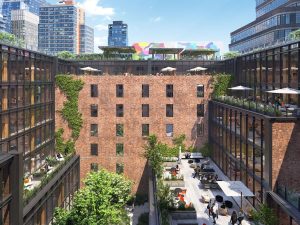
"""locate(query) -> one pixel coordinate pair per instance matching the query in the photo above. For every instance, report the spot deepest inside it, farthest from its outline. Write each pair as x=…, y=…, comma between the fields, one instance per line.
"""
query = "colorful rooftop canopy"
x=165, y=50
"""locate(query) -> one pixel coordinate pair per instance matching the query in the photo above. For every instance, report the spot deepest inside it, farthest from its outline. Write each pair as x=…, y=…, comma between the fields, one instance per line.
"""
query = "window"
x=200, y=91
x=169, y=90
x=94, y=167
x=94, y=90
x=200, y=130
x=145, y=90
x=119, y=90
x=145, y=110
x=145, y=130
x=119, y=168
x=94, y=149
x=94, y=130
x=94, y=110
x=200, y=110
x=120, y=130
x=120, y=149
x=169, y=110
x=119, y=110
x=169, y=130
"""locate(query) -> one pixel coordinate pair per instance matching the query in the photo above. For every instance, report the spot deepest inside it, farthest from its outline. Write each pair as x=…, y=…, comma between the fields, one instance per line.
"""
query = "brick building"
x=120, y=111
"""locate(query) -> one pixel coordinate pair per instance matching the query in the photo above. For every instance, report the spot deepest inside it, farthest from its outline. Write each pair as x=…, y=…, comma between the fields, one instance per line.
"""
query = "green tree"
x=179, y=142
x=10, y=39
x=265, y=215
x=230, y=55
x=295, y=35
x=165, y=201
x=221, y=84
x=66, y=55
x=101, y=201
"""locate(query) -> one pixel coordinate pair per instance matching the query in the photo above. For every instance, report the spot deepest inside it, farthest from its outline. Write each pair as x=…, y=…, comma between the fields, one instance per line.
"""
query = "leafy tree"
x=230, y=55
x=295, y=35
x=66, y=55
x=221, y=84
x=206, y=150
x=179, y=142
x=10, y=39
x=165, y=201
x=101, y=201
x=265, y=215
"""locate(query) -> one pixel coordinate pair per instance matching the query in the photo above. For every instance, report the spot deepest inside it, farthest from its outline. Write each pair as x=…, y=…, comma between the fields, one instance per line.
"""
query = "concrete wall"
x=185, y=119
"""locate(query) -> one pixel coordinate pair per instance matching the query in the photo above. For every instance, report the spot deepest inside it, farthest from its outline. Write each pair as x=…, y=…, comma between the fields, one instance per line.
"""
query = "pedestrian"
x=240, y=216
x=233, y=219
x=209, y=207
x=215, y=212
x=197, y=170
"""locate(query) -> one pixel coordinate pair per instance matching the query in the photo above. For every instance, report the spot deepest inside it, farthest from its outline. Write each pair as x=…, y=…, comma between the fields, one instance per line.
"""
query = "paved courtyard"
x=195, y=191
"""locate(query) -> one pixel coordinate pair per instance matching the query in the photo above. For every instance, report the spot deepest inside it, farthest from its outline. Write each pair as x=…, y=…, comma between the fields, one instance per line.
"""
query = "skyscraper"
x=117, y=34
x=58, y=28
x=86, y=39
x=25, y=27
x=275, y=19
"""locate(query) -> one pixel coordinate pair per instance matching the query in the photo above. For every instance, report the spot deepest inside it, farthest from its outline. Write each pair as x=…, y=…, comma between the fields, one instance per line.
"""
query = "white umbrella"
x=89, y=69
x=199, y=68
x=290, y=91
x=240, y=88
x=168, y=69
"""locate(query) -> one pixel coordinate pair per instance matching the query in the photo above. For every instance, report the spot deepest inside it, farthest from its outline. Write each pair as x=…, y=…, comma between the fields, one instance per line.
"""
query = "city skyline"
x=159, y=20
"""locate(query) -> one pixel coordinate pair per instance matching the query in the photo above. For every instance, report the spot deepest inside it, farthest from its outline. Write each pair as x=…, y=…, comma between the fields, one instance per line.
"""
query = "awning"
x=235, y=188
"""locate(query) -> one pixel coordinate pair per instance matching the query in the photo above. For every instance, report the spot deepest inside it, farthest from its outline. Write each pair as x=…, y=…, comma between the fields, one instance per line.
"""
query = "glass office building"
x=275, y=19
x=58, y=29
x=86, y=44
x=117, y=34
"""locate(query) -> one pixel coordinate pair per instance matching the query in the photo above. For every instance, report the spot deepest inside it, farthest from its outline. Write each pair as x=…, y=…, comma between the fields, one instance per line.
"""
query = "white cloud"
x=156, y=19
x=101, y=27
x=100, y=41
x=93, y=8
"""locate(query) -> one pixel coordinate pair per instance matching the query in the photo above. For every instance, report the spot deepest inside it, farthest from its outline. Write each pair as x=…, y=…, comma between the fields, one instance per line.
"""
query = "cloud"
x=101, y=27
x=100, y=41
x=156, y=19
x=93, y=8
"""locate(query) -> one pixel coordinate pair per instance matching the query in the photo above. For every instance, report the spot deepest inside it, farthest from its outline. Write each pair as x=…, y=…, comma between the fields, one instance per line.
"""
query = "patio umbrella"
x=199, y=68
x=90, y=69
x=235, y=189
x=168, y=69
x=289, y=91
x=240, y=88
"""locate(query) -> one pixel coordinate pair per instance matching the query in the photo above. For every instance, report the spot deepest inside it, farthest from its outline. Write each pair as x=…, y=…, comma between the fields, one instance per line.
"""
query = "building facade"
x=275, y=19
x=25, y=27
x=27, y=139
x=2, y=23
x=86, y=44
x=117, y=34
x=119, y=112
x=58, y=29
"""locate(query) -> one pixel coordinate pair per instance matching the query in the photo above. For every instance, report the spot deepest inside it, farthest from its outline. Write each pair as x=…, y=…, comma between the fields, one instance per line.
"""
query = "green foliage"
x=166, y=201
x=101, y=201
x=206, y=150
x=66, y=55
x=71, y=89
x=143, y=219
x=10, y=39
x=51, y=161
x=295, y=35
x=230, y=55
x=179, y=142
x=265, y=215
x=61, y=216
x=221, y=84
x=62, y=147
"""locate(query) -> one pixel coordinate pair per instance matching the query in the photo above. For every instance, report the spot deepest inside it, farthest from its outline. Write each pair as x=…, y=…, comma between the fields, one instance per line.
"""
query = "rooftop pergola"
x=165, y=51
x=113, y=51
x=196, y=53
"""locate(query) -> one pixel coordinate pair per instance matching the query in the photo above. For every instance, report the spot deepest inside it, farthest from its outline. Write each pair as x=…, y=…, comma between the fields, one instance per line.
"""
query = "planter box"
x=183, y=215
x=174, y=183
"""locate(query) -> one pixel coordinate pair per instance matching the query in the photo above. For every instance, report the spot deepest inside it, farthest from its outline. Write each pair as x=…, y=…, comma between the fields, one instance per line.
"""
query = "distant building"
x=2, y=23
x=58, y=33
x=34, y=5
x=117, y=34
x=86, y=39
x=25, y=27
x=275, y=19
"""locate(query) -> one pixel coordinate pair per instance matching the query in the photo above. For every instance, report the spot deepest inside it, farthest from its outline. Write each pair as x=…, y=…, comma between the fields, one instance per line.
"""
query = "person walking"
x=215, y=212
x=233, y=218
x=209, y=207
x=240, y=216
x=197, y=171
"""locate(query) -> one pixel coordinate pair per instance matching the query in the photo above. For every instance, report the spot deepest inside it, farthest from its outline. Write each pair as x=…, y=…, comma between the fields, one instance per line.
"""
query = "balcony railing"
x=289, y=195
x=259, y=107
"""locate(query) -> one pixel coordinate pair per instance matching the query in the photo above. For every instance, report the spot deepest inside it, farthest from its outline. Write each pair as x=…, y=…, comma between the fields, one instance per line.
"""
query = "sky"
x=170, y=20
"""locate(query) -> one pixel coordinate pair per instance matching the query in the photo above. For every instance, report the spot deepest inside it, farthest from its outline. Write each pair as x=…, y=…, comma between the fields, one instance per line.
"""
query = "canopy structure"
x=289, y=91
x=198, y=53
x=240, y=88
x=117, y=52
x=196, y=69
x=165, y=51
x=235, y=189
x=168, y=69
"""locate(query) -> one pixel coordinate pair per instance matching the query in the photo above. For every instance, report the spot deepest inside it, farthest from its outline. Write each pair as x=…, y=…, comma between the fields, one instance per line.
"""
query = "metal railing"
x=289, y=195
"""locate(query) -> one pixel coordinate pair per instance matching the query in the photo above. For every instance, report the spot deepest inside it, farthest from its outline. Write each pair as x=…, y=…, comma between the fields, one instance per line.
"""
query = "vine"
x=221, y=84
x=62, y=147
x=70, y=112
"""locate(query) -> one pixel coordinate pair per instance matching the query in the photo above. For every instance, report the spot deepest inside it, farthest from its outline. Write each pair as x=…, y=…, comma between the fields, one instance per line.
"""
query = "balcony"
x=288, y=110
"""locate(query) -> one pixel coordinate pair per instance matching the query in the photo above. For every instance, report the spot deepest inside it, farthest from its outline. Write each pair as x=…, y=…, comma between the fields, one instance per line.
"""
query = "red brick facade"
x=185, y=119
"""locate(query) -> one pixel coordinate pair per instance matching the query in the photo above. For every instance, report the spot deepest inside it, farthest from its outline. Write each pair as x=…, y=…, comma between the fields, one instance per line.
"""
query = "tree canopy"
x=230, y=55
x=295, y=35
x=101, y=201
x=10, y=39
